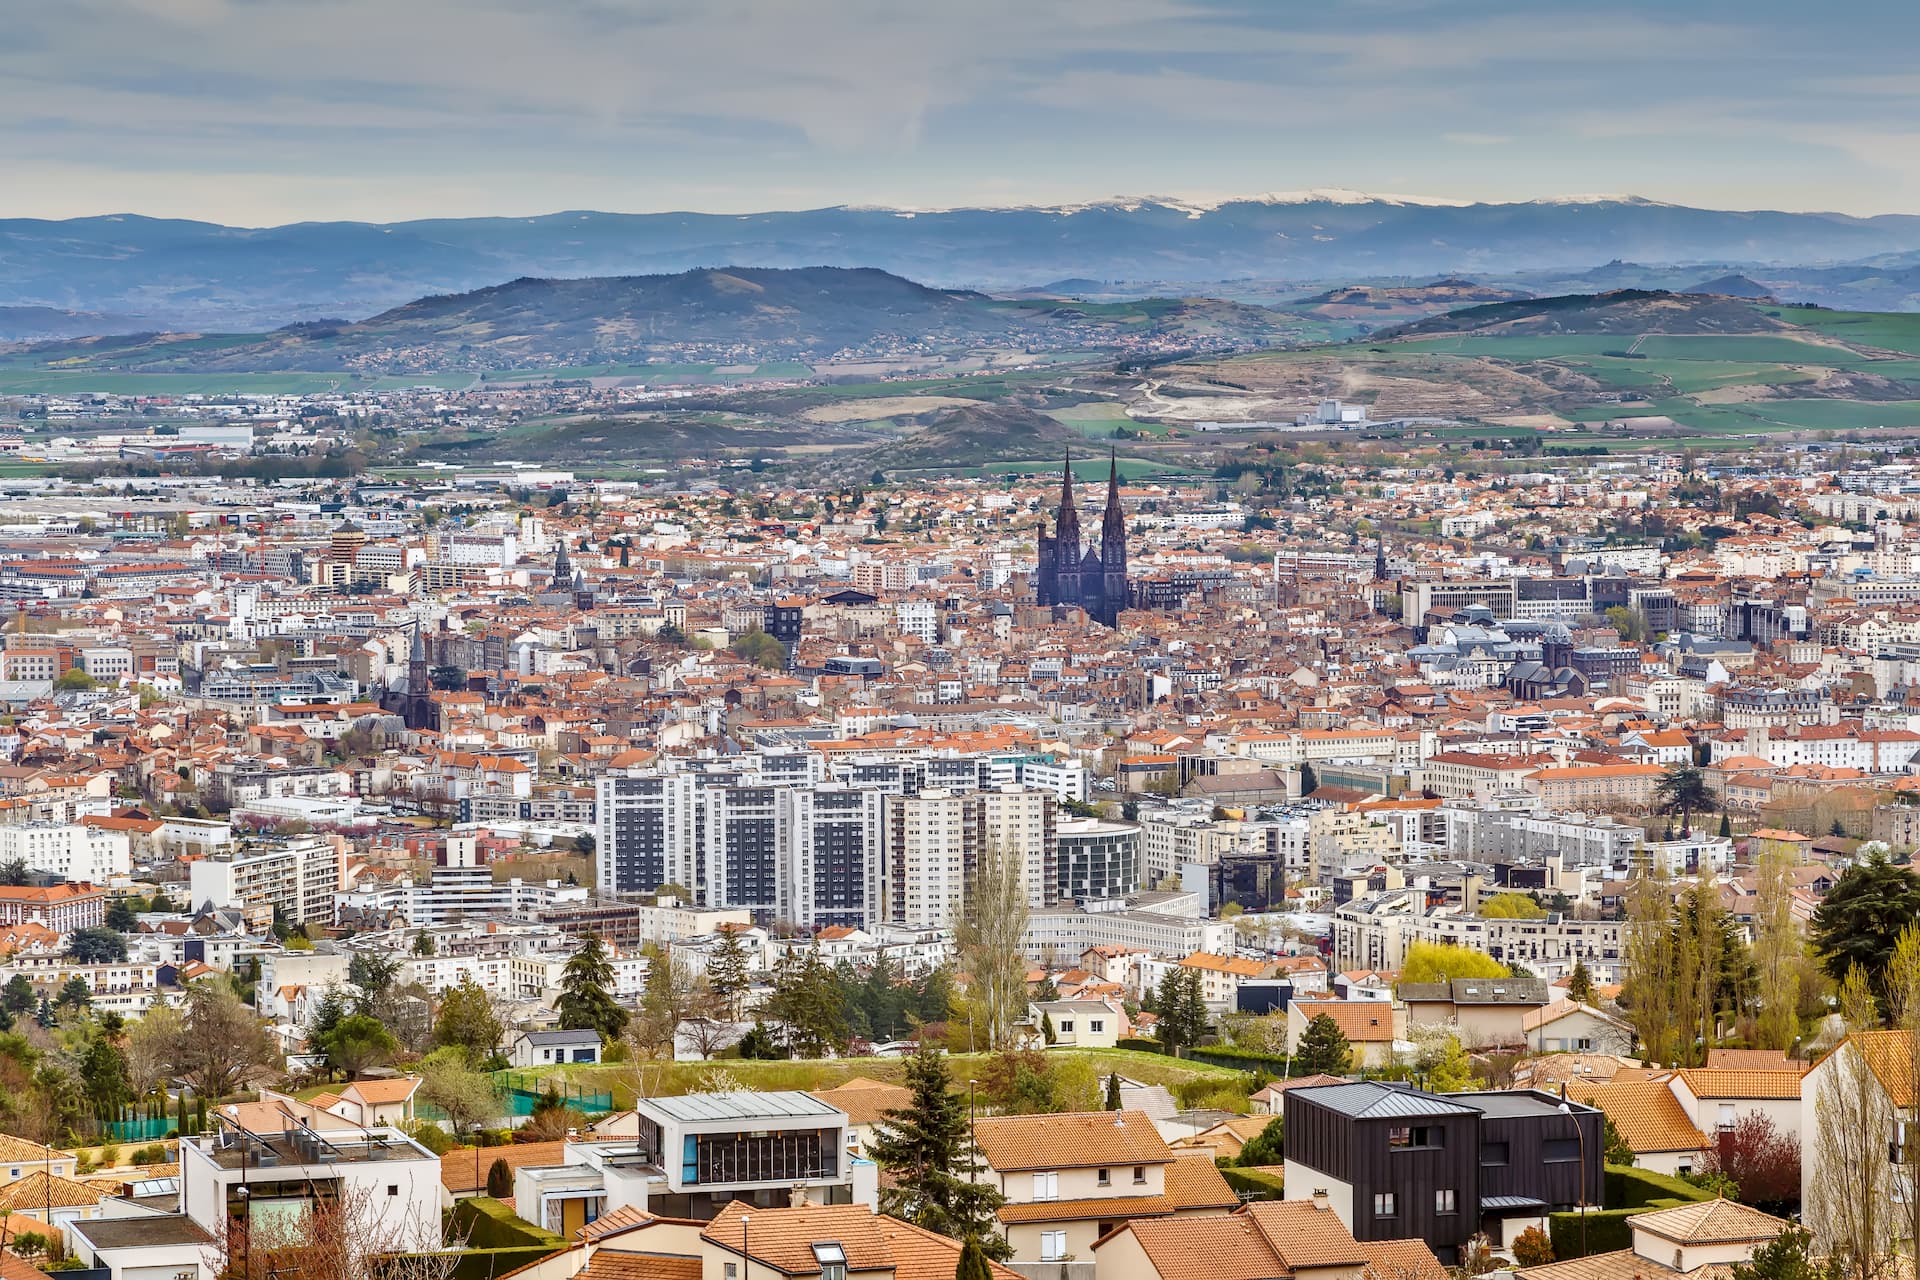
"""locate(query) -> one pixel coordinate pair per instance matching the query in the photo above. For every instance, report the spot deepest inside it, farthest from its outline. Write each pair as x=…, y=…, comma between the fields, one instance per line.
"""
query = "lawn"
x=684, y=1077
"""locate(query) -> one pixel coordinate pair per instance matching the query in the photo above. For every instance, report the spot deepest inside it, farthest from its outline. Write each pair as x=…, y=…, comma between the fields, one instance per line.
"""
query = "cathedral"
x=1092, y=577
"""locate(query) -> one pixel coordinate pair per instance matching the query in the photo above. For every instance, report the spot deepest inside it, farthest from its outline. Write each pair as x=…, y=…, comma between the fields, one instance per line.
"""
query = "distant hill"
x=38, y=324
x=200, y=275
x=1732, y=286
x=969, y=435
x=713, y=315
x=1620, y=311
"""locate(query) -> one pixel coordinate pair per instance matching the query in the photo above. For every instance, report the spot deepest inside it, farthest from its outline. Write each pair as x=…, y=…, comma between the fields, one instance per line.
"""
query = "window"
x=1726, y=1115
x=393, y=1188
x=1560, y=1150
x=1405, y=1137
x=1443, y=1201
x=733, y=1271
x=1400, y=1136
x=1493, y=1153
x=1104, y=1177
x=832, y=1259
x=1066, y=1026
x=1053, y=1246
x=1683, y=1170
x=1383, y=1204
x=1139, y=1175
x=1046, y=1186
x=1096, y=1026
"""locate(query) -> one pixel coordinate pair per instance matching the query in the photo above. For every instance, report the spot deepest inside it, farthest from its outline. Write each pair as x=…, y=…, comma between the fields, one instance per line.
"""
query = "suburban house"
x=1876, y=1064
x=376, y=1102
x=1070, y=1179
x=20, y=1157
x=1370, y=1026
x=549, y=1048
x=1225, y=1138
x=866, y=1103
x=1265, y=1240
x=139, y=1244
x=1397, y=1162
x=1483, y=1012
x=1266, y=1099
x=692, y=1156
x=1650, y=1120
x=1703, y=1239
x=747, y=1242
x=1078, y=1024
x=1719, y=1098
x=1569, y=1026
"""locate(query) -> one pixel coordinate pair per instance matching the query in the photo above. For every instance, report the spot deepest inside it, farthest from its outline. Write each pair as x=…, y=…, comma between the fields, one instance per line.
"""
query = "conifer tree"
x=1323, y=1048
x=927, y=1148
x=585, y=1001
x=1113, y=1091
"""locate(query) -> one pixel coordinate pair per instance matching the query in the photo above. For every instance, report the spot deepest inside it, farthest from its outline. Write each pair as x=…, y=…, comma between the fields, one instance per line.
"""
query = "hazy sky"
x=259, y=111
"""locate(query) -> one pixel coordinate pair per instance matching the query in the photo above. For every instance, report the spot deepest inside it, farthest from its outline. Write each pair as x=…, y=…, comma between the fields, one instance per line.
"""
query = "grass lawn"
x=684, y=1077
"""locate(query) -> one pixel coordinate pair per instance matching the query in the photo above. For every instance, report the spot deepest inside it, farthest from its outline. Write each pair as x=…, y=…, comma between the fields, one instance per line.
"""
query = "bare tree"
x=150, y=1048
x=359, y=1236
x=710, y=1035
x=1847, y=1192
x=1652, y=965
x=1777, y=946
x=220, y=1041
x=990, y=934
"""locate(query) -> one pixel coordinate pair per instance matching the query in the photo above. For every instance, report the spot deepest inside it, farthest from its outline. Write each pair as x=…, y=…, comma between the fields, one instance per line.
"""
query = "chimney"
x=797, y=1198
x=1320, y=1200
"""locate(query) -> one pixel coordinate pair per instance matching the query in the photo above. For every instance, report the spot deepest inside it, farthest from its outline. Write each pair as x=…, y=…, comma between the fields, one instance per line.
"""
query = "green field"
x=1892, y=331
x=1836, y=415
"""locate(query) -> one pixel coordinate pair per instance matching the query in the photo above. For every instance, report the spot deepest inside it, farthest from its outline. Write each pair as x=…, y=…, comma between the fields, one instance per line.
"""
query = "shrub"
x=1255, y=1184
x=433, y=1137
x=109, y=1155
x=152, y=1153
x=499, y=1179
x=1532, y=1248
x=1637, y=1188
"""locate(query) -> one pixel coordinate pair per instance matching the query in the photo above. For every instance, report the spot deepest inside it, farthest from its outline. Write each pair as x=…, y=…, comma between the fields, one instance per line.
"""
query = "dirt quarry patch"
x=881, y=407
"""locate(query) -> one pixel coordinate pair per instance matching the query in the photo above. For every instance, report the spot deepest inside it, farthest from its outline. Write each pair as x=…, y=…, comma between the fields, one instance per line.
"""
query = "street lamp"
x=1579, y=1133
x=746, y=1254
x=246, y=1233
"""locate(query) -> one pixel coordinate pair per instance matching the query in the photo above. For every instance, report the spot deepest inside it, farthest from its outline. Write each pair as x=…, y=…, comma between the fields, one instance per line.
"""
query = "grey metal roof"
x=1478, y=991
x=562, y=1037
x=739, y=1106
x=1504, y=1104
x=1499, y=1204
x=1370, y=1100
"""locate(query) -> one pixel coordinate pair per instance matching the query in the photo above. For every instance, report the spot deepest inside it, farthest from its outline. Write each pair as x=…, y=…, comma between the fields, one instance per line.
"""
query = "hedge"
x=1257, y=1183
x=470, y=1264
x=1607, y=1229
x=490, y=1225
x=1140, y=1045
x=1220, y=1055
x=1631, y=1188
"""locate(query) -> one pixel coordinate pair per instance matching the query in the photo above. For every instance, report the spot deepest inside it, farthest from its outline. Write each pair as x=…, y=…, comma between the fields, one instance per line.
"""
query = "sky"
x=254, y=112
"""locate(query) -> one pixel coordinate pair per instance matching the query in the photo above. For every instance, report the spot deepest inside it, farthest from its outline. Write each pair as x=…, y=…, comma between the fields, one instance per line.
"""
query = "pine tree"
x=727, y=971
x=1726, y=827
x=1323, y=1048
x=808, y=1001
x=1182, y=1009
x=499, y=1178
x=584, y=999
x=467, y=1019
x=1265, y=1147
x=973, y=1262
x=927, y=1148
x=1580, y=983
x=1113, y=1092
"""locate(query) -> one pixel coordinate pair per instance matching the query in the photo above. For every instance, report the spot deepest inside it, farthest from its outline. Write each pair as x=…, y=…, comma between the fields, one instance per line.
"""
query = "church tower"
x=1067, y=586
x=1113, y=549
x=1380, y=559
x=418, y=709
x=562, y=568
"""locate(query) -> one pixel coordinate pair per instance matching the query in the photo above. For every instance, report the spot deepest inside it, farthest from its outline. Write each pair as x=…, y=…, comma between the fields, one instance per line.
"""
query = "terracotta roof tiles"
x=1077, y=1140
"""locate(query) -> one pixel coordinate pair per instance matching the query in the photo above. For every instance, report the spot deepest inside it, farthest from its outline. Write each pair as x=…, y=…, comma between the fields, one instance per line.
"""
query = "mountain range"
x=176, y=274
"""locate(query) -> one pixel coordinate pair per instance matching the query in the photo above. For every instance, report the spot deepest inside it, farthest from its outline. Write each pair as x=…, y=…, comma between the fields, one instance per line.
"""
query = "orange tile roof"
x=1715, y=1082
x=1401, y=1260
x=460, y=1171
x=1076, y=1140
x=1360, y=1021
x=1222, y=1247
x=1194, y=1182
x=1710, y=1222
x=1645, y=1112
x=1107, y=1207
x=1305, y=1235
x=613, y=1264
x=33, y=1192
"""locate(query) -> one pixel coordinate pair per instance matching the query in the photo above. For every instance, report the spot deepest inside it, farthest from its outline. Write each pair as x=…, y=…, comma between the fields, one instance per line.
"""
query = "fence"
x=520, y=1092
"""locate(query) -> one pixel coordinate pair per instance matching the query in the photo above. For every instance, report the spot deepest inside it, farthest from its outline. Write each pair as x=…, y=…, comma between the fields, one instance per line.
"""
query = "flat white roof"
x=739, y=1106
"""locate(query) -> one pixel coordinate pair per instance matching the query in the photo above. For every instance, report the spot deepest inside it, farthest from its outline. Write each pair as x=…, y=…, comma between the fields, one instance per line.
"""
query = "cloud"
x=298, y=108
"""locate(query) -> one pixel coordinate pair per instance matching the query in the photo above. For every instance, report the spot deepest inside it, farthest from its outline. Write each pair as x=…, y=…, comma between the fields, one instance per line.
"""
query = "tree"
x=1442, y=961
x=1309, y=780
x=1778, y=948
x=121, y=917
x=17, y=997
x=1532, y=1248
x=551, y=1120
x=727, y=973
x=761, y=649
x=1846, y=1196
x=373, y=973
x=1323, y=1048
x=1512, y=906
x=149, y=1048
x=96, y=946
x=357, y=1043
x=927, y=1148
x=584, y=999
x=499, y=1179
x=973, y=1264
x=14, y=872
x=160, y=903
x=1113, y=1102
x=74, y=994
x=74, y=680
x=1683, y=790
x=1182, y=1009
x=1788, y=1256
x=467, y=1020
x=1760, y=1160
x=1860, y=919
x=1726, y=827
x=1617, y=1150
x=1267, y=1146
x=1651, y=965
x=990, y=935
x=1453, y=1073
x=220, y=1040
x=808, y=1003
x=1580, y=984
x=103, y=1069
x=449, y=1082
